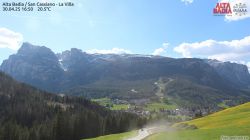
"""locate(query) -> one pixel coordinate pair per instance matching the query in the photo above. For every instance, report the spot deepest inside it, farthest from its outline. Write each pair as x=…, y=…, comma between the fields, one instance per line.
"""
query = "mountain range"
x=129, y=76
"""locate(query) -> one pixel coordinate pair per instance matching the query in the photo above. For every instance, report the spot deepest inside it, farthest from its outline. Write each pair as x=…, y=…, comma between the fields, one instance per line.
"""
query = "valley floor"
x=225, y=124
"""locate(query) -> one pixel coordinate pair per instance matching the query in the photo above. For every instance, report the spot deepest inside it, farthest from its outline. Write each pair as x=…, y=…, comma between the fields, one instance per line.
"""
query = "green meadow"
x=121, y=136
x=233, y=121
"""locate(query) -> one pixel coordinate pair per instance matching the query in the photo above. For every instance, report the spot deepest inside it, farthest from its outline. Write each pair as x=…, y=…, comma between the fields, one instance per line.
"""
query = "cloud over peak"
x=10, y=39
x=234, y=50
x=161, y=50
x=111, y=51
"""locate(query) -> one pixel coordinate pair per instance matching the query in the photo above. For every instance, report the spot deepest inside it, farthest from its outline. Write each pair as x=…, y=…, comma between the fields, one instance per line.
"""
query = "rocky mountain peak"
x=36, y=53
x=41, y=67
x=236, y=73
x=36, y=65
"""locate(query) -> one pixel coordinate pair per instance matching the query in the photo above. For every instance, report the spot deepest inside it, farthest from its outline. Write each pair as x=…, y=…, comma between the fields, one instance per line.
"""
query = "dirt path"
x=142, y=133
x=145, y=132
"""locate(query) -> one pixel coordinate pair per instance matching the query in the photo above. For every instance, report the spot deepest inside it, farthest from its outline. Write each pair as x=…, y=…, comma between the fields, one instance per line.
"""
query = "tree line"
x=27, y=113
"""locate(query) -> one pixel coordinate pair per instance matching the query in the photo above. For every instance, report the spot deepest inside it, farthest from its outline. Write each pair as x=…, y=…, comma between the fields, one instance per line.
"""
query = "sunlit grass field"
x=107, y=101
x=121, y=136
x=233, y=121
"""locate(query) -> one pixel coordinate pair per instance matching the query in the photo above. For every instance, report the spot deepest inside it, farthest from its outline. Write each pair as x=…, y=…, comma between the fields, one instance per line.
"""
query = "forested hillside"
x=27, y=113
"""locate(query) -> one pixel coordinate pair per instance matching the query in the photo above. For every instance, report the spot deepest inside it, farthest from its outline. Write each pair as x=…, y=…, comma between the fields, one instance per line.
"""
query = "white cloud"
x=248, y=65
x=112, y=51
x=161, y=50
x=234, y=50
x=10, y=39
x=158, y=51
x=235, y=17
x=187, y=1
x=165, y=45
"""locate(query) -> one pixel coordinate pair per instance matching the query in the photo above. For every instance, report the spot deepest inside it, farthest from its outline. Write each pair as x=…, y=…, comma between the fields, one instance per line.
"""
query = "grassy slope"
x=223, y=104
x=107, y=101
x=120, y=107
x=150, y=107
x=103, y=101
x=121, y=136
x=233, y=121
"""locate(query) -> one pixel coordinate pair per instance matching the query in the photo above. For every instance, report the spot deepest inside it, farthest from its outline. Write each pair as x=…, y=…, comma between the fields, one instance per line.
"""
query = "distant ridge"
x=111, y=75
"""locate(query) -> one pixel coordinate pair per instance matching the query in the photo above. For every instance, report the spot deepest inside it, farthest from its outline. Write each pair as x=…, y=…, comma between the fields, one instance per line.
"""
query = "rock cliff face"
x=237, y=74
x=42, y=68
x=36, y=65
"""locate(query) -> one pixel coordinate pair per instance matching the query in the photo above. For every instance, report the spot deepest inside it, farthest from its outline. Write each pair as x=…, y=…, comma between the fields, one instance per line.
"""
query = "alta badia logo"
x=222, y=8
x=230, y=8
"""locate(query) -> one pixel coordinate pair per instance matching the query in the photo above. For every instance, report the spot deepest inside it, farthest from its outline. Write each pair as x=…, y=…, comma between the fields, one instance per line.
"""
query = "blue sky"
x=171, y=28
